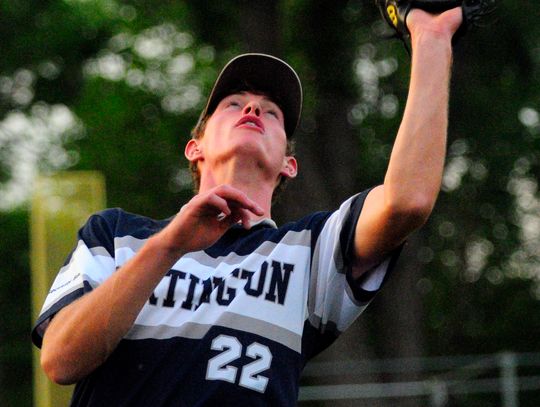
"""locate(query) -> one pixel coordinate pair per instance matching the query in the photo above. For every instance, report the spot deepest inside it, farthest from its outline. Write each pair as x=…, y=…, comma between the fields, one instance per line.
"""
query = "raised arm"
x=83, y=334
x=413, y=179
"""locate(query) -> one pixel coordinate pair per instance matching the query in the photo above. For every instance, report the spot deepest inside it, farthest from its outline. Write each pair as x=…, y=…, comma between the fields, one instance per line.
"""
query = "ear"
x=193, y=151
x=290, y=167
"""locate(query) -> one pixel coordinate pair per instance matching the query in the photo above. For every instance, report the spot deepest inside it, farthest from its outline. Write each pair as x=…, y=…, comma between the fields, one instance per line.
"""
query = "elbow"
x=59, y=365
x=56, y=370
x=412, y=212
x=64, y=364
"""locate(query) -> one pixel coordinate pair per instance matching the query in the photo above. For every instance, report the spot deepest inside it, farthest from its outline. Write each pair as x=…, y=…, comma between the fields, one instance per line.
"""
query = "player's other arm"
x=413, y=178
x=83, y=334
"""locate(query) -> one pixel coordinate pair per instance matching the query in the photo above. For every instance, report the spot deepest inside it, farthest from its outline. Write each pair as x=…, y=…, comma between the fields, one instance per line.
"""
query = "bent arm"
x=82, y=335
x=405, y=200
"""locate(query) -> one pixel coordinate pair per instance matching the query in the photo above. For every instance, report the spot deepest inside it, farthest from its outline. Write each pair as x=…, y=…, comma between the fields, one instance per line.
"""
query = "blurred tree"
x=15, y=354
x=485, y=230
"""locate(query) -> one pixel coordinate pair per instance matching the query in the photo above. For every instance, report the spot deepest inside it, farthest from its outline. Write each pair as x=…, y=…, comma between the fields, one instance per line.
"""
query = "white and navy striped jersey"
x=232, y=325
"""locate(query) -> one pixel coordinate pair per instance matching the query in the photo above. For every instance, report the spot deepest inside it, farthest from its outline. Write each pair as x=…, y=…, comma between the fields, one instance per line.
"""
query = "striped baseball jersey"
x=232, y=325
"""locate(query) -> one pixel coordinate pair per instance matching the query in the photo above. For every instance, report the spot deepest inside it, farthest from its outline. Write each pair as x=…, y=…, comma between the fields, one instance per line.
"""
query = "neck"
x=251, y=181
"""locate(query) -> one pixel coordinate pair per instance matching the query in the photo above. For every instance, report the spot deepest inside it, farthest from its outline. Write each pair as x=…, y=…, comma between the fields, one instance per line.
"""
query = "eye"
x=231, y=102
x=273, y=113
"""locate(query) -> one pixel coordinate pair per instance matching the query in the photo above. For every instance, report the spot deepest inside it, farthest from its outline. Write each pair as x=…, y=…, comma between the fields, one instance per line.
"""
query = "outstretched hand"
x=444, y=24
x=206, y=217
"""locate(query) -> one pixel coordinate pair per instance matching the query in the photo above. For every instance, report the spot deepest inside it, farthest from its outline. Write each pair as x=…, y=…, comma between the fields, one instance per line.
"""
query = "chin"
x=249, y=144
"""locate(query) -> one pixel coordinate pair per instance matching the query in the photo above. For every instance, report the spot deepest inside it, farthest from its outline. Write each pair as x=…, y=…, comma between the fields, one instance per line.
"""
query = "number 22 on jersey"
x=231, y=349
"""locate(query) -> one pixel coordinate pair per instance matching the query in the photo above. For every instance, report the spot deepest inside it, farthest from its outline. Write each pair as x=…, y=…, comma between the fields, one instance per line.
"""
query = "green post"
x=60, y=205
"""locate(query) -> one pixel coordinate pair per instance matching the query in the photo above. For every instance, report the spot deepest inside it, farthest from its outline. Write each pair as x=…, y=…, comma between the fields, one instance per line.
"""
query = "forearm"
x=417, y=161
x=82, y=335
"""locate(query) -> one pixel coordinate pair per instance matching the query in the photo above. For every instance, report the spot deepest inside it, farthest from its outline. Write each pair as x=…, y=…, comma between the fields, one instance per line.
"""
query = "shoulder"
x=112, y=223
x=343, y=216
x=308, y=222
x=309, y=226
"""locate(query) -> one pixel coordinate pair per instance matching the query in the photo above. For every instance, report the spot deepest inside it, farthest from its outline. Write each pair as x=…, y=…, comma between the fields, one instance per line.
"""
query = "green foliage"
x=136, y=145
x=15, y=310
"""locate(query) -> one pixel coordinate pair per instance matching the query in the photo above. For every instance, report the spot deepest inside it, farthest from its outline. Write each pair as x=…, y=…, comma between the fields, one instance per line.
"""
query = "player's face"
x=247, y=126
x=251, y=112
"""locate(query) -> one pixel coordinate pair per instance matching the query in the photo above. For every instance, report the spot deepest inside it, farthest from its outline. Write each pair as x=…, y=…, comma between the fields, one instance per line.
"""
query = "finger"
x=455, y=17
x=221, y=216
x=218, y=205
x=244, y=218
x=235, y=218
x=239, y=198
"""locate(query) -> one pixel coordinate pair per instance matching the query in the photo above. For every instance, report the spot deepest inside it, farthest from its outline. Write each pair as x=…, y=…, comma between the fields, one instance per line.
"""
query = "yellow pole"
x=60, y=206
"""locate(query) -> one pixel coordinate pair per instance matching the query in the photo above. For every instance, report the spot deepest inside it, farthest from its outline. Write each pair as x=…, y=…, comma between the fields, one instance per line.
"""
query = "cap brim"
x=263, y=73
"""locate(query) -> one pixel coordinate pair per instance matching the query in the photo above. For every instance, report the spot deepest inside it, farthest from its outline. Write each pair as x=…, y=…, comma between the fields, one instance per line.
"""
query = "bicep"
x=379, y=230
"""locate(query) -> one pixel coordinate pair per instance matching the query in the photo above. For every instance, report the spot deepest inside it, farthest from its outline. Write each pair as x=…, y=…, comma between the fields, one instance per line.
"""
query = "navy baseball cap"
x=263, y=73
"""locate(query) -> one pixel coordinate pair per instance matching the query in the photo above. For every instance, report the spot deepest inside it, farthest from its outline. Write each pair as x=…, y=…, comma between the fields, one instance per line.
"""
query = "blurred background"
x=116, y=86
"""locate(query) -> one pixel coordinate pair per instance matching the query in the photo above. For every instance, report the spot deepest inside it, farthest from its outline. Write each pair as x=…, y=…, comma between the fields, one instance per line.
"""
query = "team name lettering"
x=270, y=282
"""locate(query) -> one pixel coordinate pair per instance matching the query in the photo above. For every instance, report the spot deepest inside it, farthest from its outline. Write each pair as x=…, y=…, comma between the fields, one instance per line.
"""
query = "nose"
x=252, y=107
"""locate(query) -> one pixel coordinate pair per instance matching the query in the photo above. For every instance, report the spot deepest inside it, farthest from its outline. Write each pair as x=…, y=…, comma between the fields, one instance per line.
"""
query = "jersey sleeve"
x=89, y=264
x=335, y=298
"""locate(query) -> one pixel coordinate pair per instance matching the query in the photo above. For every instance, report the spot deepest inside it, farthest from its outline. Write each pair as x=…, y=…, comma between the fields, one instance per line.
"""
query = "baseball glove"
x=395, y=13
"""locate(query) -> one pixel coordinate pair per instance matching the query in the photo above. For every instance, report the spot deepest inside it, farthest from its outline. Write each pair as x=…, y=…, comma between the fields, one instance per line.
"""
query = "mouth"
x=251, y=122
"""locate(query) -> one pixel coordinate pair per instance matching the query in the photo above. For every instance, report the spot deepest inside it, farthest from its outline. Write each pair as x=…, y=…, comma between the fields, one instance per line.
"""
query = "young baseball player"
x=218, y=305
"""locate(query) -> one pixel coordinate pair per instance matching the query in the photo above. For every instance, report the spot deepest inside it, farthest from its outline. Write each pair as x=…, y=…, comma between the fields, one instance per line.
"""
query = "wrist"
x=432, y=43
x=426, y=36
x=424, y=26
x=161, y=245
